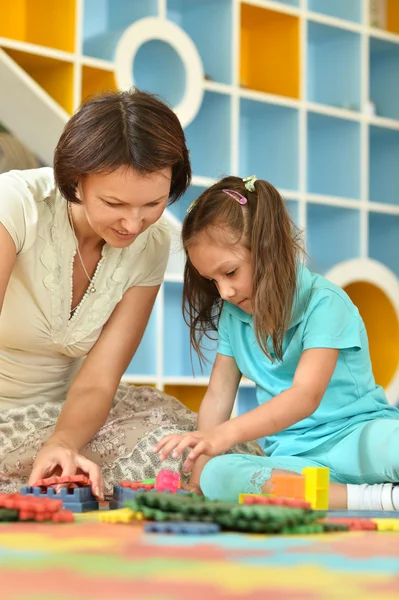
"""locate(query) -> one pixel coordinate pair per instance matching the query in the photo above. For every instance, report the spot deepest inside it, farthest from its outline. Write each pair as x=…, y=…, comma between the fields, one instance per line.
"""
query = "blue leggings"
x=368, y=454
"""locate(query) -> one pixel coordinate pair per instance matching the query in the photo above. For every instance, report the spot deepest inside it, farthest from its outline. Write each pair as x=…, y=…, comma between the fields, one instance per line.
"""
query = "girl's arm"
x=215, y=409
x=91, y=394
x=311, y=379
x=216, y=405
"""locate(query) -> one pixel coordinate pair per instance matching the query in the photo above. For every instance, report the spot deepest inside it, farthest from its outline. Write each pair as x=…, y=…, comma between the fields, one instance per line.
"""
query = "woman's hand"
x=54, y=458
x=208, y=443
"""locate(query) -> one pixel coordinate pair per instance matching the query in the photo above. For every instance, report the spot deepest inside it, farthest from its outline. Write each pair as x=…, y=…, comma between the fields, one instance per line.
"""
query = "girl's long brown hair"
x=264, y=227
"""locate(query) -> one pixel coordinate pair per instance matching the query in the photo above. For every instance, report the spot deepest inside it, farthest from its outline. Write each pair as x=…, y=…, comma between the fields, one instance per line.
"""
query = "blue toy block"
x=79, y=499
x=185, y=528
x=364, y=514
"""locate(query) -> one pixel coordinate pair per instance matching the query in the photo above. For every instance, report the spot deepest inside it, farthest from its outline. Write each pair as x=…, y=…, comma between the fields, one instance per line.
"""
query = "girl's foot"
x=380, y=496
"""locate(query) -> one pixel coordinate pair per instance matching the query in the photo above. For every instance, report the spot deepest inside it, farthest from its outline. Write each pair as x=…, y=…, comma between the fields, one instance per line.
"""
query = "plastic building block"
x=355, y=524
x=31, y=508
x=242, y=497
x=137, y=485
x=122, y=515
x=304, y=529
x=288, y=486
x=329, y=526
x=78, y=499
x=235, y=517
x=382, y=524
x=182, y=527
x=72, y=481
x=149, y=481
x=317, y=481
x=7, y=514
x=292, y=502
x=63, y=516
x=166, y=480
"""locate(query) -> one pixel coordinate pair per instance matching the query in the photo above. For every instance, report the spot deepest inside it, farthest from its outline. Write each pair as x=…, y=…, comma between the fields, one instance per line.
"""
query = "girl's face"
x=118, y=206
x=229, y=267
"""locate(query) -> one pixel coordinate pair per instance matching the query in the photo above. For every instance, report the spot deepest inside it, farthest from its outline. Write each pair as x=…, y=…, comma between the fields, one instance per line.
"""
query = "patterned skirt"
x=123, y=448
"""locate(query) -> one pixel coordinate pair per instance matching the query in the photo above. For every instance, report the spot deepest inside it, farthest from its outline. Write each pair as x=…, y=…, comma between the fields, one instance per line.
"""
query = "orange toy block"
x=288, y=486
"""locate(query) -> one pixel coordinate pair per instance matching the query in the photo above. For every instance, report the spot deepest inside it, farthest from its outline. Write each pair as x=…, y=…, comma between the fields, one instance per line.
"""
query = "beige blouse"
x=41, y=347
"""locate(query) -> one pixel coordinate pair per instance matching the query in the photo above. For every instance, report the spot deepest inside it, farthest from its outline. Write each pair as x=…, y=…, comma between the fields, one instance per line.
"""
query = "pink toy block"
x=166, y=480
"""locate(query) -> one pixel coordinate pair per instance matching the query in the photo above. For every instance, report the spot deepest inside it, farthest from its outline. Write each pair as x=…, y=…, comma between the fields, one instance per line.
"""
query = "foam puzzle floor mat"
x=98, y=561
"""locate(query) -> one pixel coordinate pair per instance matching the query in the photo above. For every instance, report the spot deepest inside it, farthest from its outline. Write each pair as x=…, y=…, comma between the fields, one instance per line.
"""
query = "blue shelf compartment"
x=208, y=137
x=383, y=165
x=349, y=10
x=334, y=66
x=144, y=362
x=383, y=239
x=333, y=161
x=384, y=80
x=333, y=235
x=104, y=21
x=209, y=24
x=177, y=359
x=269, y=142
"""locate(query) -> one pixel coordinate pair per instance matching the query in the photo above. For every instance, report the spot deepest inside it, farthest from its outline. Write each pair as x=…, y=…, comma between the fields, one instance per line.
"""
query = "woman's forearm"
x=83, y=415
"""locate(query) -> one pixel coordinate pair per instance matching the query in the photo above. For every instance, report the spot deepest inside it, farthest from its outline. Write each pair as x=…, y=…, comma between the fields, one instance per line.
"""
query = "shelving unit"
x=286, y=94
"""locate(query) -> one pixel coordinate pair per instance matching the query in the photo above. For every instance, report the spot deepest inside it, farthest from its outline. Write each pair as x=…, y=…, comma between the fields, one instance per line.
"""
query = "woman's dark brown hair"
x=264, y=227
x=133, y=129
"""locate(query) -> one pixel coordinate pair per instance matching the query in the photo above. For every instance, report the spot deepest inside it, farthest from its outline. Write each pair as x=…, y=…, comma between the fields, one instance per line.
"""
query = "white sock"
x=380, y=496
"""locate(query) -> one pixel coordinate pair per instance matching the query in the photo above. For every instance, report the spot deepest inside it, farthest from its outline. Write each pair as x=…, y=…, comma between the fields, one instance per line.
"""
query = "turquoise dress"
x=354, y=431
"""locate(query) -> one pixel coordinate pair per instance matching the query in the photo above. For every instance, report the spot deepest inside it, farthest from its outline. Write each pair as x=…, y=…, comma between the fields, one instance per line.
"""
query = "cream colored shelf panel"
x=25, y=108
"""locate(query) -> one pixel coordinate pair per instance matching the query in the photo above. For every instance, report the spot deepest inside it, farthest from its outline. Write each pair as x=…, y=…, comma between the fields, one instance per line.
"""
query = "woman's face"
x=118, y=206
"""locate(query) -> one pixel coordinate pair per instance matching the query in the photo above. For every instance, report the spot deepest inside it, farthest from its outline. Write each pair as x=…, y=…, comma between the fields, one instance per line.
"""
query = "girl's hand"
x=194, y=488
x=209, y=443
x=54, y=458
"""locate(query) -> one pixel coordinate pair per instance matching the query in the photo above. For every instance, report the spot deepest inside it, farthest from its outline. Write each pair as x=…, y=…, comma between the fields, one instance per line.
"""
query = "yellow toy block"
x=317, y=486
x=121, y=515
x=241, y=497
x=387, y=524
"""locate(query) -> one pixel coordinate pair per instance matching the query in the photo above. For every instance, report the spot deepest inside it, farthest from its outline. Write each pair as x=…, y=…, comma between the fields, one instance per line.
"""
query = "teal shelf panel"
x=144, y=361
x=209, y=24
x=177, y=360
x=384, y=80
x=333, y=236
x=179, y=209
x=269, y=143
x=293, y=209
x=167, y=75
x=104, y=21
x=333, y=156
x=208, y=137
x=350, y=10
x=334, y=66
x=383, y=239
x=383, y=165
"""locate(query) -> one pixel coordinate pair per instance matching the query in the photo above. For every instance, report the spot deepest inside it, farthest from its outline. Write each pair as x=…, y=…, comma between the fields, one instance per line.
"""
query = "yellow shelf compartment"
x=392, y=12
x=53, y=75
x=270, y=55
x=382, y=327
x=49, y=23
x=95, y=81
x=189, y=395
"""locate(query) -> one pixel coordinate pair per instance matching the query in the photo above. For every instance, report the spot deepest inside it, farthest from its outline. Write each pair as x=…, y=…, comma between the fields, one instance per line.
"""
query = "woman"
x=83, y=251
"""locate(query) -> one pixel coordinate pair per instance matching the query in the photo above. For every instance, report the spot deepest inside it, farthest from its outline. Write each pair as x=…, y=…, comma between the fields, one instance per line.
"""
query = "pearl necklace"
x=92, y=288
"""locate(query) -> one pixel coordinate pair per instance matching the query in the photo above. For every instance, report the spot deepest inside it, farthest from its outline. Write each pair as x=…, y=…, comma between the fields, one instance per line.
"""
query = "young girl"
x=299, y=338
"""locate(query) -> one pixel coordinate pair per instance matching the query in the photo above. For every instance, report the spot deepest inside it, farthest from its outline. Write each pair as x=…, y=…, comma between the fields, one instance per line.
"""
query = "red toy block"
x=73, y=481
x=136, y=485
x=289, y=502
x=63, y=516
x=355, y=524
x=166, y=480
